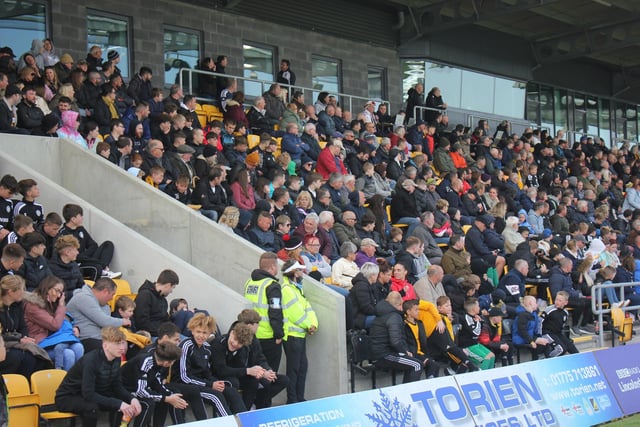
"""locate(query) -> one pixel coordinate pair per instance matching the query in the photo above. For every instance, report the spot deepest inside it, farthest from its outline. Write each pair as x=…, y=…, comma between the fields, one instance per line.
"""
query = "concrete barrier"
x=138, y=257
x=188, y=235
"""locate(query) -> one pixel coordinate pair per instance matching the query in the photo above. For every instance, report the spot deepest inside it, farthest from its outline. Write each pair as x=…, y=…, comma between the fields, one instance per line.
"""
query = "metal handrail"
x=596, y=303
x=347, y=100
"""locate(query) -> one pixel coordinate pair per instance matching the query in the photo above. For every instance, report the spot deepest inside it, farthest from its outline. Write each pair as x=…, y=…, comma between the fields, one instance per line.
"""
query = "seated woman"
x=344, y=269
x=400, y=284
x=317, y=267
x=14, y=328
x=47, y=324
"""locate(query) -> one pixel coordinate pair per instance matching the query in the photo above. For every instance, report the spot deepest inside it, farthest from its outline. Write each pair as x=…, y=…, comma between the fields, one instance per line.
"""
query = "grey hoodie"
x=90, y=317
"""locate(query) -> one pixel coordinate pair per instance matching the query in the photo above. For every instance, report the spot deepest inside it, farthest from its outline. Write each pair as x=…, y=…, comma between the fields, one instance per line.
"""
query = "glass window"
x=533, y=103
x=620, y=120
x=592, y=115
x=580, y=113
x=412, y=73
x=181, y=50
x=631, y=114
x=546, y=108
x=110, y=32
x=560, y=109
x=257, y=64
x=448, y=79
x=509, y=98
x=325, y=76
x=377, y=78
x=20, y=23
x=605, y=120
x=477, y=92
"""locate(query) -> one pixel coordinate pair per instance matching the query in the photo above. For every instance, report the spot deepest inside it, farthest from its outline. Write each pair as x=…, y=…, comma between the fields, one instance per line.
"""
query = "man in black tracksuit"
x=151, y=303
x=554, y=319
x=241, y=361
x=94, y=384
x=387, y=342
x=145, y=376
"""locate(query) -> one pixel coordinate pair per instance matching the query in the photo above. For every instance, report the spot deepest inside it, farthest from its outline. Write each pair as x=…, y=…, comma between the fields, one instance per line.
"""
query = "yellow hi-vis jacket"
x=256, y=292
x=297, y=310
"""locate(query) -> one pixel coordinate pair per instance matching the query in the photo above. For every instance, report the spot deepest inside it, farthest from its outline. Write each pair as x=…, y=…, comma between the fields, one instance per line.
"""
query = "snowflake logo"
x=391, y=413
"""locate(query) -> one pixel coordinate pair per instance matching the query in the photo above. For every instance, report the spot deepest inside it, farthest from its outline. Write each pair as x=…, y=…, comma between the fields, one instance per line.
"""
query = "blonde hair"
x=201, y=320
x=64, y=242
x=299, y=201
x=112, y=334
x=230, y=216
x=8, y=283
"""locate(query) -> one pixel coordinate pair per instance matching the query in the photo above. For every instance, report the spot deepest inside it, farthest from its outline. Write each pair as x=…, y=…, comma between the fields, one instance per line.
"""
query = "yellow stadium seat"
x=212, y=112
x=399, y=225
x=253, y=140
x=45, y=383
x=23, y=406
x=123, y=289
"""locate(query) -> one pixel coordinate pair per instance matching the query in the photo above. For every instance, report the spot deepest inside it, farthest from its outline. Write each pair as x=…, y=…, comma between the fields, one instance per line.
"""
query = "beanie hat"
x=253, y=159
x=66, y=59
x=113, y=55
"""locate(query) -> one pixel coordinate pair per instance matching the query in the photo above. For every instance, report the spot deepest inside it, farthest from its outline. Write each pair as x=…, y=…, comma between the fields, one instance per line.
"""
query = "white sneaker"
x=111, y=274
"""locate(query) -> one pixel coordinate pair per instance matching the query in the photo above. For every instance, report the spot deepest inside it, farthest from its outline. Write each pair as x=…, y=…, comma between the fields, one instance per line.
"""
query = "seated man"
x=560, y=280
x=238, y=358
x=151, y=304
x=94, y=383
x=28, y=206
x=145, y=377
x=482, y=257
x=513, y=284
x=90, y=254
x=387, y=342
x=91, y=312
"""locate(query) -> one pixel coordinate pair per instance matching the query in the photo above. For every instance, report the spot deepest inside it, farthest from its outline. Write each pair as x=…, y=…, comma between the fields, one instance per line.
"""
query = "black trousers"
x=582, y=313
x=88, y=411
x=297, y=365
x=159, y=409
x=411, y=366
x=259, y=391
x=91, y=344
x=272, y=352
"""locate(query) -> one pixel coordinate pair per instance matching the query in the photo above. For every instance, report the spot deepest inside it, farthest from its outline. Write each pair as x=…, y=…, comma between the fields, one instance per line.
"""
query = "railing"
x=596, y=303
x=346, y=101
x=470, y=118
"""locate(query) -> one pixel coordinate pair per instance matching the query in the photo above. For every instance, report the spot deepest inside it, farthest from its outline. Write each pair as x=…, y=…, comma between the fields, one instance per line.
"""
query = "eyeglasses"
x=287, y=224
x=349, y=219
x=58, y=291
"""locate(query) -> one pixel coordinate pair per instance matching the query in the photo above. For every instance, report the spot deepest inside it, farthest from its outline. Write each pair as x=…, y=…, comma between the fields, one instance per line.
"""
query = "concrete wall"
x=137, y=257
x=224, y=34
x=186, y=234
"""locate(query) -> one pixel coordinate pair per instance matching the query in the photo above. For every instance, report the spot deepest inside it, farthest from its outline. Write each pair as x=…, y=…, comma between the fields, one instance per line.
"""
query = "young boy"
x=30, y=192
x=94, y=383
x=471, y=327
x=179, y=189
x=491, y=336
x=526, y=326
x=22, y=225
x=417, y=337
x=8, y=187
x=554, y=318
x=90, y=254
x=442, y=345
x=155, y=177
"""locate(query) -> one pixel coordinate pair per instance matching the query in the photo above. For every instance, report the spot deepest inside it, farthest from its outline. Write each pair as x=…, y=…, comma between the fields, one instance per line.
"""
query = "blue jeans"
x=412, y=222
x=65, y=355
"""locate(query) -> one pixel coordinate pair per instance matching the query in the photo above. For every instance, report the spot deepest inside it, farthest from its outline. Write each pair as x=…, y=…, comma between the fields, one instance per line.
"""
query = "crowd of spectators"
x=464, y=220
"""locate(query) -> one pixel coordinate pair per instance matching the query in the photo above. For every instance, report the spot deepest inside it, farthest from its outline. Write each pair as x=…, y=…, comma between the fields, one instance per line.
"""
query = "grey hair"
x=309, y=126
x=325, y=216
x=258, y=99
x=347, y=248
x=369, y=269
x=314, y=217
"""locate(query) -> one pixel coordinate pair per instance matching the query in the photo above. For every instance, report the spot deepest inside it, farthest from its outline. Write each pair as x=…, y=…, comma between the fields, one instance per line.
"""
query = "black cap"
x=495, y=311
x=6, y=50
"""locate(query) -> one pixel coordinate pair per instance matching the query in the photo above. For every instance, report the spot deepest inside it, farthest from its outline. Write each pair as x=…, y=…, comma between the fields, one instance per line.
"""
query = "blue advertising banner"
x=621, y=366
x=564, y=391
x=390, y=406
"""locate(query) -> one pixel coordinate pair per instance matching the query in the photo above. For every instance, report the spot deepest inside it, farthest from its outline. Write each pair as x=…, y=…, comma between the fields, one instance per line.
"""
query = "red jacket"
x=327, y=164
x=404, y=287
